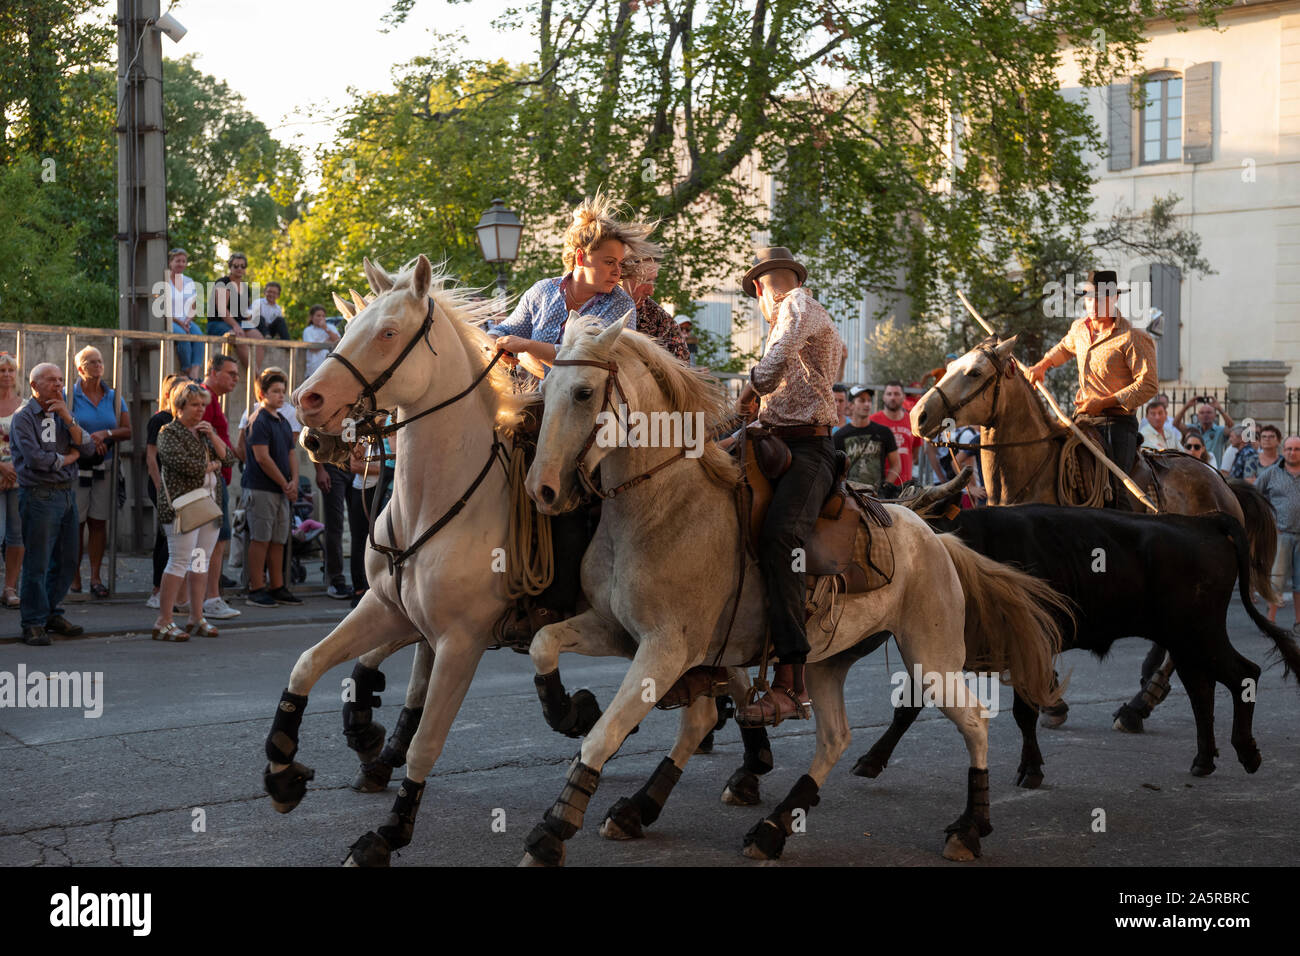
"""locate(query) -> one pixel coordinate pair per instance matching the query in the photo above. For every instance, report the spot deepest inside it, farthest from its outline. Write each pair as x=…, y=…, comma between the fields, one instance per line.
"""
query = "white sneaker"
x=153, y=601
x=219, y=610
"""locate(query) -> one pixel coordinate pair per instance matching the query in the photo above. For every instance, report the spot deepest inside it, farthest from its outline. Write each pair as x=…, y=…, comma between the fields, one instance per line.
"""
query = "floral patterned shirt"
x=660, y=326
x=800, y=365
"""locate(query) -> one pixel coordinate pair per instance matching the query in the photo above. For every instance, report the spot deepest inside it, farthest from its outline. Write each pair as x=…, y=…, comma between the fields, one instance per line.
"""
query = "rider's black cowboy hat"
x=1105, y=279
x=774, y=257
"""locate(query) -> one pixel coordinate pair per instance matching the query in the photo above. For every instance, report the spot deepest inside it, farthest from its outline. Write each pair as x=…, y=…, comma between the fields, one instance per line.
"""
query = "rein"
x=584, y=472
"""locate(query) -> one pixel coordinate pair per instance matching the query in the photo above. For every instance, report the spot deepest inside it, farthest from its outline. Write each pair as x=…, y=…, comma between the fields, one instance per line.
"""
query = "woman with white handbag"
x=189, y=456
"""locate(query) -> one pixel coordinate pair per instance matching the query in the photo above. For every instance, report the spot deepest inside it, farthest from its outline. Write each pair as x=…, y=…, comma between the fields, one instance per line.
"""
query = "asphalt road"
x=179, y=744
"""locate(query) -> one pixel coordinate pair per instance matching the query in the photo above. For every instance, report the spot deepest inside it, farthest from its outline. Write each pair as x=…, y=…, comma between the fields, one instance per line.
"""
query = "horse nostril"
x=311, y=443
x=548, y=494
x=311, y=400
x=920, y=419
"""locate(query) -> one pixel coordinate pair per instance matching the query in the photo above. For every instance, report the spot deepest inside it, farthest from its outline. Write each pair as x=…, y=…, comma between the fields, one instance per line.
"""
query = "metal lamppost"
x=498, y=239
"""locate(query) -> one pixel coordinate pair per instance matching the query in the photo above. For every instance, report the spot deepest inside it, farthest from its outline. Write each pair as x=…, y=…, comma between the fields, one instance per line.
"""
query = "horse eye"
x=974, y=373
x=583, y=393
x=389, y=333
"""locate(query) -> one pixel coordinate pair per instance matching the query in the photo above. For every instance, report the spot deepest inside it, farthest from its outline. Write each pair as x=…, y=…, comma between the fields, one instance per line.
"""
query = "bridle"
x=995, y=381
x=369, y=430
x=612, y=385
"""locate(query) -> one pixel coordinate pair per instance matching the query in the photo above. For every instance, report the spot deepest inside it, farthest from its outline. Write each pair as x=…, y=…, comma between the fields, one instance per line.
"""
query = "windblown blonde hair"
x=686, y=387
x=596, y=221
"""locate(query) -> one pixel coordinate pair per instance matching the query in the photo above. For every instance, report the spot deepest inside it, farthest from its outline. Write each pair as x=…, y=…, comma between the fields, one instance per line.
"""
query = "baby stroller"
x=304, y=532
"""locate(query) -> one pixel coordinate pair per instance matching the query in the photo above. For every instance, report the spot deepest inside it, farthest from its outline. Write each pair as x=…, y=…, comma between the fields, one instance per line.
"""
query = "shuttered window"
x=1166, y=295
x=1119, y=111
x=1198, y=108
x=1161, y=123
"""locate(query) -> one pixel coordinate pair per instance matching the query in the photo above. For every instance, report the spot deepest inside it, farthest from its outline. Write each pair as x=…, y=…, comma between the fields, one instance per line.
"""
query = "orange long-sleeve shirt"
x=1121, y=362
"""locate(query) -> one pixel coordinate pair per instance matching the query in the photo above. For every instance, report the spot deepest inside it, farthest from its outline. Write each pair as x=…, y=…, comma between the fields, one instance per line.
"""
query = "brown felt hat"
x=773, y=257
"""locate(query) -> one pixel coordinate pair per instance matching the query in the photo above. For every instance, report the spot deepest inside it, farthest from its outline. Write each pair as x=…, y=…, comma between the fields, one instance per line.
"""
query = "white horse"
x=665, y=565
x=415, y=348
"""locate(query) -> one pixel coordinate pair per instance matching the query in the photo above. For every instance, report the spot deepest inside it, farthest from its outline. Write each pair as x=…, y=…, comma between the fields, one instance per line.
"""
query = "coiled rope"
x=530, y=562
x=1081, y=480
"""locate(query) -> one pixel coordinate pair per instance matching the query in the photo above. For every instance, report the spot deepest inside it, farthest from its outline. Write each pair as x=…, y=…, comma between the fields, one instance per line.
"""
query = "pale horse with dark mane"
x=664, y=569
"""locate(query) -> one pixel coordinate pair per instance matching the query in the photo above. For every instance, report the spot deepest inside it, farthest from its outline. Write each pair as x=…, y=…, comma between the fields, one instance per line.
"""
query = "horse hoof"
x=1252, y=760
x=623, y=822
x=372, y=778
x=869, y=766
x=741, y=790
x=955, y=848
x=530, y=860
x=765, y=841
x=1200, y=769
x=370, y=850
x=706, y=745
x=287, y=787
x=1049, y=721
x=1029, y=779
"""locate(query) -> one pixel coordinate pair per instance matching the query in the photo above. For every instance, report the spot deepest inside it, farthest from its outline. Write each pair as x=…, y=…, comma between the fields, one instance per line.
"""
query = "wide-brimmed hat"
x=1106, y=279
x=773, y=257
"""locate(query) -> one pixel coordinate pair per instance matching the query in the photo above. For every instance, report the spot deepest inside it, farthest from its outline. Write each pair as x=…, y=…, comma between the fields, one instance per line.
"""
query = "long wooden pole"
x=1042, y=390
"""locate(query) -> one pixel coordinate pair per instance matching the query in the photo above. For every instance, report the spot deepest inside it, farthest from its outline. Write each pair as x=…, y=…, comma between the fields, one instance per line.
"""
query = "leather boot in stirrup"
x=787, y=699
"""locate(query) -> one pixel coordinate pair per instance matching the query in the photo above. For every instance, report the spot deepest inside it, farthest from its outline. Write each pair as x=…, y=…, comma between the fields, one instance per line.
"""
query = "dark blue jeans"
x=50, y=537
x=796, y=502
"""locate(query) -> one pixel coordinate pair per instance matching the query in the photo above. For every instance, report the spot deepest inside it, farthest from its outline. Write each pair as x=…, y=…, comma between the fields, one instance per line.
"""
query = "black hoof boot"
x=741, y=789
x=372, y=777
x=706, y=745
x=1127, y=720
x=571, y=716
x=370, y=850
x=408, y=721
x=287, y=787
x=364, y=735
x=623, y=822
x=765, y=841
x=963, y=834
x=375, y=849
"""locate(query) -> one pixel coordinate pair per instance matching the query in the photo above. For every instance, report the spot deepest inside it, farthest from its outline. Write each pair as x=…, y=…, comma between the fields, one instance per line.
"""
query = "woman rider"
x=596, y=244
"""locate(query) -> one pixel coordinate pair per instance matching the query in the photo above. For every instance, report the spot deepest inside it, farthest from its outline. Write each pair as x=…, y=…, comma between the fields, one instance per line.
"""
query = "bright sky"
x=288, y=58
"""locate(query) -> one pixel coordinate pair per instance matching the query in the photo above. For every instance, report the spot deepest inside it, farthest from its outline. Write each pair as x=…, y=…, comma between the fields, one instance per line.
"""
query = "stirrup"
x=769, y=713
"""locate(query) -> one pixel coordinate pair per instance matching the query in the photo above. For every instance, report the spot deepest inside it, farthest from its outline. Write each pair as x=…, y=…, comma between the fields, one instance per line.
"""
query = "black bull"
x=1168, y=578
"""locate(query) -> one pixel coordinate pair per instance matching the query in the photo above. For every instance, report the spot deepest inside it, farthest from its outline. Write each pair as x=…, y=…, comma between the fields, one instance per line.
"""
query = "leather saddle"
x=836, y=546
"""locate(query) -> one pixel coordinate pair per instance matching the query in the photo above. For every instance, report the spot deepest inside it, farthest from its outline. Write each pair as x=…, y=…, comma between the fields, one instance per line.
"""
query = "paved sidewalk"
x=125, y=612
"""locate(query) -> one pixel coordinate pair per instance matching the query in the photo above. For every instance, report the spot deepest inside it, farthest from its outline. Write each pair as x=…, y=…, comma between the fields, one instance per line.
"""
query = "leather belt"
x=801, y=431
x=55, y=486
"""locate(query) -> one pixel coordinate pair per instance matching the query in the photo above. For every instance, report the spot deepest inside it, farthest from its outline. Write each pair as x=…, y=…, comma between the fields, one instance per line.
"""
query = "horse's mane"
x=468, y=316
x=687, y=389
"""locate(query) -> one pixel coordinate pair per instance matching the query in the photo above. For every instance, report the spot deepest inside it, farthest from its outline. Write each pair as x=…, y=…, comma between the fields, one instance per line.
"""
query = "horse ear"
x=609, y=335
x=1005, y=346
x=341, y=304
x=422, y=278
x=380, y=281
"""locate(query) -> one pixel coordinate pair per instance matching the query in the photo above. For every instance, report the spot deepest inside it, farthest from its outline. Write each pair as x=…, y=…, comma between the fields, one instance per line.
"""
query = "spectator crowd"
x=57, y=462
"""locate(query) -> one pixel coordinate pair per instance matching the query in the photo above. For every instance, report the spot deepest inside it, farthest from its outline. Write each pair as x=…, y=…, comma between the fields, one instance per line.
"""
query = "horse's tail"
x=1261, y=532
x=1011, y=622
x=1286, y=645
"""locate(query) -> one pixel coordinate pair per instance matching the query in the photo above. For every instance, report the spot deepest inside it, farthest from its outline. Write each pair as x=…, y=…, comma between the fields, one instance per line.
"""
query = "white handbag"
x=194, y=508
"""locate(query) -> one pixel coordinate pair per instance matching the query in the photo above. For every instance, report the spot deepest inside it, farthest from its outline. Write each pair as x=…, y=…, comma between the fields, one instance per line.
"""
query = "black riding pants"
x=334, y=509
x=570, y=535
x=1120, y=440
x=796, y=502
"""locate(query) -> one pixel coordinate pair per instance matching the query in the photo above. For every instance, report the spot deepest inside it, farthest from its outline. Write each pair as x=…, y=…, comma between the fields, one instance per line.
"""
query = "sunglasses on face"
x=1194, y=447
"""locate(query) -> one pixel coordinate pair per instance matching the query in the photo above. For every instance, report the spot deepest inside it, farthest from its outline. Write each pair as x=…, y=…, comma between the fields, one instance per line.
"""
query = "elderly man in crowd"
x=47, y=443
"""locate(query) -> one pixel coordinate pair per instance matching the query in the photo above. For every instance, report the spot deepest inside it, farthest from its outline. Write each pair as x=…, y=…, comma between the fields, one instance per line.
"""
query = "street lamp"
x=498, y=239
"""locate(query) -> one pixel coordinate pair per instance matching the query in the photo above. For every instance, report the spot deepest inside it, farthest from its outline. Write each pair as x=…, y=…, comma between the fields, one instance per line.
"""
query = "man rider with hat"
x=1117, y=371
x=794, y=379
